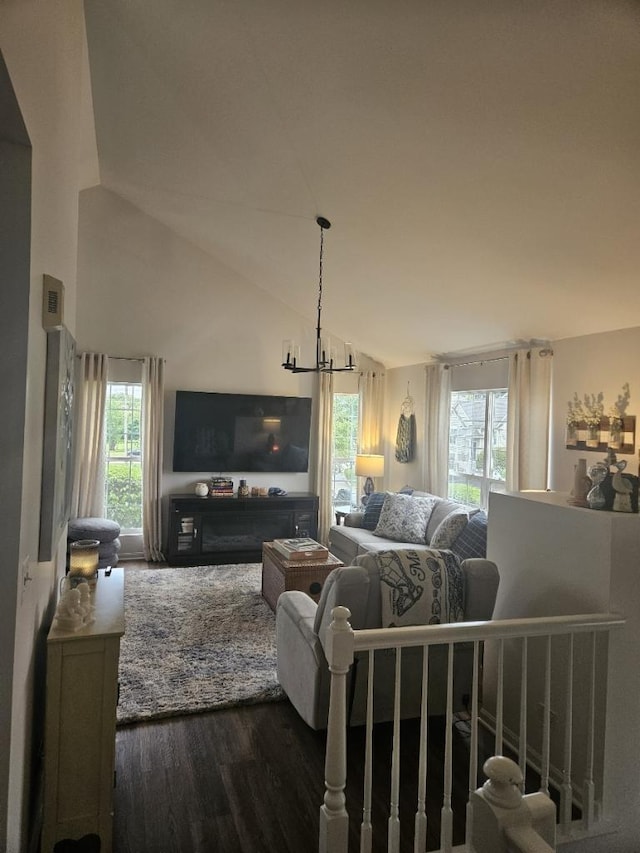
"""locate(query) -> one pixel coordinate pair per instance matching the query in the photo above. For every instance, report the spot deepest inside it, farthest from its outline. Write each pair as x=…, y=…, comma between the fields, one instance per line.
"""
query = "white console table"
x=80, y=729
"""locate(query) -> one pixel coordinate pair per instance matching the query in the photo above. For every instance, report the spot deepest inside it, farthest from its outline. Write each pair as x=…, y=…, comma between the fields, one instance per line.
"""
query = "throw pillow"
x=372, y=510
x=472, y=542
x=404, y=518
x=449, y=529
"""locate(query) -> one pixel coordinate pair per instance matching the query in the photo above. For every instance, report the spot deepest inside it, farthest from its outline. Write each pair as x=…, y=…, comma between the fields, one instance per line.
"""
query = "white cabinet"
x=81, y=699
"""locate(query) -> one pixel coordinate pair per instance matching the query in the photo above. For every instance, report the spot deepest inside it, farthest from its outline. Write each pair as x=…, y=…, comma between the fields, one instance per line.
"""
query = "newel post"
x=505, y=821
x=334, y=820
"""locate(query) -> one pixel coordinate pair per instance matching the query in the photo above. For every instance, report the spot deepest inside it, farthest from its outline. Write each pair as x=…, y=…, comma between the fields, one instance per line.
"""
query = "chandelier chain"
x=320, y=276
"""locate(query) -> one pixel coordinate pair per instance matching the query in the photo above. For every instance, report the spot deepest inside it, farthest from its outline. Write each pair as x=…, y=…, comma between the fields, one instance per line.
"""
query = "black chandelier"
x=325, y=356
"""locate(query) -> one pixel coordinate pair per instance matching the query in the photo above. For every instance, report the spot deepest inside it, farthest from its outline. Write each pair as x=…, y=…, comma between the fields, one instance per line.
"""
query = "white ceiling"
x=479, y=161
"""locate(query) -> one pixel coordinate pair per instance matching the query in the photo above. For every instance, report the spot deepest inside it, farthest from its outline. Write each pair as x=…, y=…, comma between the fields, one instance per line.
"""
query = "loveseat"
x=301, y=627
x=410, y=519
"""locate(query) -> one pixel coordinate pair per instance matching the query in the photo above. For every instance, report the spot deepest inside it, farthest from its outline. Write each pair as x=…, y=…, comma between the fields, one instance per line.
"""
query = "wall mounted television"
x=241, y=432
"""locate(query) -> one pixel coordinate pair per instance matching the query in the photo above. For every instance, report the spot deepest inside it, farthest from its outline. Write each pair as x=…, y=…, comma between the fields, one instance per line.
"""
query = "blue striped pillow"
x=472, y=542
x=372, y=510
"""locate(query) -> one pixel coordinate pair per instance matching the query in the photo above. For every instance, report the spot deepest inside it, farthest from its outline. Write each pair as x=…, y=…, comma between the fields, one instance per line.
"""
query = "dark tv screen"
x=241, y=432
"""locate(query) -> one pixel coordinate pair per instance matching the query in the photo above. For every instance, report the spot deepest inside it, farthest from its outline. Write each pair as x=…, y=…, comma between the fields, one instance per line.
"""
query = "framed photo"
x=57, y=450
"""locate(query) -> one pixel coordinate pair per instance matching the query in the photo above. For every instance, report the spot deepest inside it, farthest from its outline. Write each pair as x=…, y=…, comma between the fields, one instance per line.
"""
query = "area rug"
x=196, y=639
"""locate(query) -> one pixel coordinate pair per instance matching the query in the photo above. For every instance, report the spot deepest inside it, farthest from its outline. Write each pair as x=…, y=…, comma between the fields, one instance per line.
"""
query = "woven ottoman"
x=105, y=531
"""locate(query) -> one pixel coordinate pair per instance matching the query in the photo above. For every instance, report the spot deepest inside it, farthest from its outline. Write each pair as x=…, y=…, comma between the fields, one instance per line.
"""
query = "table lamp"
x=83, y=559
x=369, y=465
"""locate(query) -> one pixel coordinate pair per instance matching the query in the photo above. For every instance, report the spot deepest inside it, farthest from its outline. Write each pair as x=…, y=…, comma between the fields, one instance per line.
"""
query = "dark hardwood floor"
x=251, y=779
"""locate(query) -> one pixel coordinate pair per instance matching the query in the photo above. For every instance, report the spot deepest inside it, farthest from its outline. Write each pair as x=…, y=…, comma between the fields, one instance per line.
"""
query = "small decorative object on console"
x=75, y=608
x=84, y=558
x=243, y=489
x=202, y=490
x=300, y=549
x=581, y=485
x=598, y=474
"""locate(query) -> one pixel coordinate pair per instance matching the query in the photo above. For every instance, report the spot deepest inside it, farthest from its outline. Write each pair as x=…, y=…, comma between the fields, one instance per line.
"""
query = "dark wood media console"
x=209, y=530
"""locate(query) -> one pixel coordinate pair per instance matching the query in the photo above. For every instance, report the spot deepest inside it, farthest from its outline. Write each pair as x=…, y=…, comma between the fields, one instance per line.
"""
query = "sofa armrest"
x=354, y=519
x=481, y=588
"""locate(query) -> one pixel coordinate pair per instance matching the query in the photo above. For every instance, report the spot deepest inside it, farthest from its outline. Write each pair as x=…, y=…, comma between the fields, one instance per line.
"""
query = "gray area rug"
x=196, y=639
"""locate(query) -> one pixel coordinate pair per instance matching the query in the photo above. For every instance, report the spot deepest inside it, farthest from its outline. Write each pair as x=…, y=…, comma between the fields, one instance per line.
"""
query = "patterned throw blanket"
x=420, y=587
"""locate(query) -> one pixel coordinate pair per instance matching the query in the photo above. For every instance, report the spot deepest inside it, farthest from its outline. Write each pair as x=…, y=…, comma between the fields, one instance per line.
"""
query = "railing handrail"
x=495, y=629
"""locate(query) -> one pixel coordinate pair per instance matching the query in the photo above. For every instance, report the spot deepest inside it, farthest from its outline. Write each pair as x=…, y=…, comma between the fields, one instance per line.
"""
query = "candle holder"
x=83, y=559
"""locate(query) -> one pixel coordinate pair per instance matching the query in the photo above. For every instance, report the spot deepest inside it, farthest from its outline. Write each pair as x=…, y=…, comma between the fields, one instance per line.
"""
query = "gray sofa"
x=301, y=627
x=357, y=535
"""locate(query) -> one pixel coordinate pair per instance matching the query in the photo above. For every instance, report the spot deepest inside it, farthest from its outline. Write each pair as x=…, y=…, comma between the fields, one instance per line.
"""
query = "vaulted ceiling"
x=479, y=161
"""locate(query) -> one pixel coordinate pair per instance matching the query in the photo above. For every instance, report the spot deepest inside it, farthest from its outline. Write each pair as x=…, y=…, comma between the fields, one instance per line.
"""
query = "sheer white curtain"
x=528, y=418
x=152, y=438
x=87, y=496
x=437, y=404
x=324, y=453
x=371, y=392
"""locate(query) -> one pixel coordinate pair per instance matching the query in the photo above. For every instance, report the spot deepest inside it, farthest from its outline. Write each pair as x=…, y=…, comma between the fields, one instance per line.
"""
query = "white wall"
x=42, y=44
x=146, y=291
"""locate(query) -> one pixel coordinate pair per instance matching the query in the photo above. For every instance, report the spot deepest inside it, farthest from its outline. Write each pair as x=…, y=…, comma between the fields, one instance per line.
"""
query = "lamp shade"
x=369, y=465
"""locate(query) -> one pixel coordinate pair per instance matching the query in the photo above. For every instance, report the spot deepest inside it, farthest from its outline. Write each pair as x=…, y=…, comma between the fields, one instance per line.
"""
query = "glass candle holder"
x=84, y=558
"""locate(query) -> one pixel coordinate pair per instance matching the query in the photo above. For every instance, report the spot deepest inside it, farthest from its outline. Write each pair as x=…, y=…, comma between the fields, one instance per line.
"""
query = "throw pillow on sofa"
x=372, y=510
x=472, y=542
x=404, y=518
x=449, y=529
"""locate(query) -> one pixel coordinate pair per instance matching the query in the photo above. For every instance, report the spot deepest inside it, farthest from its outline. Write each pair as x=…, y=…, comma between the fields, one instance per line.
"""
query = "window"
x=345, y=442
x=477, y=445
x=123, y=480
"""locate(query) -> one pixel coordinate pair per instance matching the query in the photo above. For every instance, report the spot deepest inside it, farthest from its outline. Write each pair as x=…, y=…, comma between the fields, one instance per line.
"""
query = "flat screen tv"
x=241, y=432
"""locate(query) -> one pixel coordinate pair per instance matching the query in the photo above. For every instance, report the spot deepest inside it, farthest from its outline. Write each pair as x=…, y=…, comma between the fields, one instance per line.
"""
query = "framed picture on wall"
x=57, y=449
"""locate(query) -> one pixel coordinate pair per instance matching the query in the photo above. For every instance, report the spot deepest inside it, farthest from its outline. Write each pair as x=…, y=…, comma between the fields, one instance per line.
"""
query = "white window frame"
x=485, y=482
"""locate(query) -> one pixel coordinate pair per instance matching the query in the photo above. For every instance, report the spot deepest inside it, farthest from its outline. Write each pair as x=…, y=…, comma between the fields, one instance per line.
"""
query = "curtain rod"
x=545, y=351
x=447, y=366
x=124, y=358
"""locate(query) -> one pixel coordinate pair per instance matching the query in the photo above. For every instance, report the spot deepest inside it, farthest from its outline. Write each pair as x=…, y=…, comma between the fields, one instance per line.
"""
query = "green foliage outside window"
x=345, y=438
x=124, y=496
x=123, y=416
x=465, y=493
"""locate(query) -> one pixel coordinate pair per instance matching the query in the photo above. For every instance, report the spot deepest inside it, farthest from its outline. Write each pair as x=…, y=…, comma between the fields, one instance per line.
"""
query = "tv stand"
x=215, y=530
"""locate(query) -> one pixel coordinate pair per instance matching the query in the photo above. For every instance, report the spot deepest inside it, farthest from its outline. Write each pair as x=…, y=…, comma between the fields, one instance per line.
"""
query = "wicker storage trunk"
x=279, y=574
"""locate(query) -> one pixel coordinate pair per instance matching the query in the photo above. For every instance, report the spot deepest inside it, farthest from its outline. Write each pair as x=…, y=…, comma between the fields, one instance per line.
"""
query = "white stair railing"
x=538, y=680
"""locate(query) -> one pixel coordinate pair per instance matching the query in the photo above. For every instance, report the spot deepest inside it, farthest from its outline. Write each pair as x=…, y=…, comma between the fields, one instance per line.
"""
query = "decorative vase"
x=593, y=435
x=616, y=428
x=581, y=484
x=572, y=434
x=202, y=490
x=598, y=473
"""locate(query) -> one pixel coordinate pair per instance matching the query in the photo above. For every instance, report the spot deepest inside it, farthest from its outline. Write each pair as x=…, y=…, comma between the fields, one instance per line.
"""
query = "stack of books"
x=301, y=549
x=221, y=487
